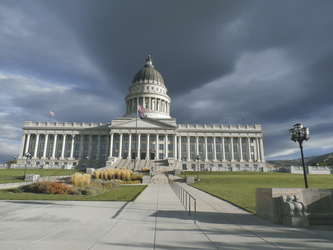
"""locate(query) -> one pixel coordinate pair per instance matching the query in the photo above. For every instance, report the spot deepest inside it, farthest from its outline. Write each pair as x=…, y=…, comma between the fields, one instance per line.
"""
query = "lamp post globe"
x=299, y=134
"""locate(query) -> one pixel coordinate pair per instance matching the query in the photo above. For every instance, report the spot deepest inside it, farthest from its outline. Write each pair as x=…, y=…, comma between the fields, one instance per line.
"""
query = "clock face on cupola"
x=148, y=90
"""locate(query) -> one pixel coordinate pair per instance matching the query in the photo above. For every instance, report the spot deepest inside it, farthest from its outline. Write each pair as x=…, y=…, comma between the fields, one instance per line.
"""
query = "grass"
x=15, y=175
x=123, y=193
x=239, y=187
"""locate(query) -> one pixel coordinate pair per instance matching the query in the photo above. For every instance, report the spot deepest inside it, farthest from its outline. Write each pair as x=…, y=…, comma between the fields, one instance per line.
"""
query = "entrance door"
x=152, y=156
x=143, y=156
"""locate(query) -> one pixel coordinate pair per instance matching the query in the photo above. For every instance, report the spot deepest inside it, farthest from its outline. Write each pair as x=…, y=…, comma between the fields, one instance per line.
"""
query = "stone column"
x=166, y=145
x=111, y=145
x=129, y=146
x=179, y=147
x=262, y=150
x=258, y=150
x=148, y=147
x=27, y=142
x=174, y=146
x=223, y=149
x=72, y=147
x=36, y=146
x=54, y=146
x=63, y=146
x=188, y=148
x=120, y=145
x=206, y=153
x=214, y=148
x=232, y=148
x=90, y=146
x=138, y=155
x=45, y=146
x=249, y=148
x=196, y=145
x=240, y=149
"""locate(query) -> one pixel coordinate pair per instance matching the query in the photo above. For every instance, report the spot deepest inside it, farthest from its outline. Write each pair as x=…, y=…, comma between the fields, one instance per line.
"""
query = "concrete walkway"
x=156, y=220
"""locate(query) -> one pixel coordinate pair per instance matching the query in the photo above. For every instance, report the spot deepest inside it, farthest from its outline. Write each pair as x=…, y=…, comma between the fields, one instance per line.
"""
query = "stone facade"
x=156, y=138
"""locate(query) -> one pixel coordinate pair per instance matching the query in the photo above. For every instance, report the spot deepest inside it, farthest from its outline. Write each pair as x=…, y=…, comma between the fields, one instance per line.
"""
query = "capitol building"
x=152, y=140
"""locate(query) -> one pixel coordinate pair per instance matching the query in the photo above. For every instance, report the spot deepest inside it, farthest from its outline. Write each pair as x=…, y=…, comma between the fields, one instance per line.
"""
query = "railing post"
x=189, y=205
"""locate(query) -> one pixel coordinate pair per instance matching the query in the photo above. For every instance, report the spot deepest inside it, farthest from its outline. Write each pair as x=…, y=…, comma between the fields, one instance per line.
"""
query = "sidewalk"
x=156, y=220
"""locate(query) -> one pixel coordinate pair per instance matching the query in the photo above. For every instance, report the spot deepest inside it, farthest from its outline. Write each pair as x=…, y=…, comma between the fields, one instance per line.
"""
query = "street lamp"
x=300, y=134
x=27, y=155
x=198, y=158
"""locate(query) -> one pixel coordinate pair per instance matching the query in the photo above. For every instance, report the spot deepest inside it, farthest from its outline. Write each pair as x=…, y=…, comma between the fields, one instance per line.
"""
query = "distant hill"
x=323, y=160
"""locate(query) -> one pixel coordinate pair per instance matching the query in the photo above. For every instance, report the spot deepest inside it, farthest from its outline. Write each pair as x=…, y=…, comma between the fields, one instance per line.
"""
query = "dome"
x=148, y=73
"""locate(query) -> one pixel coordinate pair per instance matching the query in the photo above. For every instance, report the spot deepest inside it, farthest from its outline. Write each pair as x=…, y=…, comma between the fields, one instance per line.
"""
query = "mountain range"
x=322, y=160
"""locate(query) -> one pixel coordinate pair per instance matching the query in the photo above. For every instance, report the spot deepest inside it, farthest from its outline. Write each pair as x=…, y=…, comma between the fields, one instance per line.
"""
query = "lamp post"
x=198, y=158
x=27, y=155
x=300, y=134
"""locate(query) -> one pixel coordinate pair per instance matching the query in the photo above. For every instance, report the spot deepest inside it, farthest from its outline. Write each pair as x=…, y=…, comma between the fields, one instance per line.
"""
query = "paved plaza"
x=156, y=220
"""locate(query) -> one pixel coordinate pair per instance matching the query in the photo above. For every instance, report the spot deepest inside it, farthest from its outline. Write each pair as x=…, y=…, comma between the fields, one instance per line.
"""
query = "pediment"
x=146, y=123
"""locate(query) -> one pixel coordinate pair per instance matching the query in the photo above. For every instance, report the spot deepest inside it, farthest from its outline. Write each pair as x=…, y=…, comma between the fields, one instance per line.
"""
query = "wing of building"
x=134, y=143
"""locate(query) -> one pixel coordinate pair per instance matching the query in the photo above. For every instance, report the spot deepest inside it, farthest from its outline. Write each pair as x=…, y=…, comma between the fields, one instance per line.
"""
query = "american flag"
x=141, y=110
x=52, y=113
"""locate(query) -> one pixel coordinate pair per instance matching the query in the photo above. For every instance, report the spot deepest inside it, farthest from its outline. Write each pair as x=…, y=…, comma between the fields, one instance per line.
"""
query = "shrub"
x=92, y=190
x=113, y=174
x=48, y=187
x=136, y=177
x=80, y=180
x=145, y=169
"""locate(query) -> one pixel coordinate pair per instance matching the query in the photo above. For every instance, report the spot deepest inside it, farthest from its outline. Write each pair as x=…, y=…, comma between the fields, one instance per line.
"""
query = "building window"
x=103, y=155
x=152, y=147
x=60, y=137
x=94, y=155
x=170, y=155
x=161, y=146
x=77, y=146
x=104, y=146
x=161, y=156
x=170, y=138
x=78, y=138
x=143, y=138
x=104, y=138
x=252, y=148
x=252, y=140
x=50, y=145
x=226, y=140
x=86, y=146
x=161, y=138
x=32, y=145
x=227, y=157
x=68, y=146
x=218, y=148
x=126, y=137
x=235, y=157
x=116, y=145
x=49, y=154
x=169, y=146
x=68, y=155
x=59, y=154
x=192, y=139
x=209, y=148
x=244, y=157
x=243, y=140
x=235, y=148
x=191, y=147
x=41, y=146
x=95, y=147
x=126, y=146
x=59, y=145
x=201, y=139
x=117, y=137
x=183, y=139
x=143, y=146
x=209, y=139
x=152, y=138
x=87, y=138
x=243, y=149
x=200, y=148
x=183, y=147
x=217, y=140
x=226, y=148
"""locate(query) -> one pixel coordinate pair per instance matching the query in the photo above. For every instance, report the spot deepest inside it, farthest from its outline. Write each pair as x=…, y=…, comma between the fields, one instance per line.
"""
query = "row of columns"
x=150, y=104
x=176, y=151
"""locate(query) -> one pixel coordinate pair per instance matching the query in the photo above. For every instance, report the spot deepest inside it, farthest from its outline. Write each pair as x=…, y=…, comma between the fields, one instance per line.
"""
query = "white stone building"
x=136, y=143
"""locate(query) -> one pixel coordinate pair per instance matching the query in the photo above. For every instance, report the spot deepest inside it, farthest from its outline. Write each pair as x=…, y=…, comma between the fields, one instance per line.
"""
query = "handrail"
x=185, y=198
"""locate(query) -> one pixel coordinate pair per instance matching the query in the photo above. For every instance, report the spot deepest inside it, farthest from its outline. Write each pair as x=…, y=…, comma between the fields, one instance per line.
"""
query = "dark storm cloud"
x=269, y=60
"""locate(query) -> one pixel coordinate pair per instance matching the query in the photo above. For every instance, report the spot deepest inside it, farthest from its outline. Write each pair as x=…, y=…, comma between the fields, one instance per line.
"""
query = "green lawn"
x=123, y=193
x=15, y=175
x=239, y=187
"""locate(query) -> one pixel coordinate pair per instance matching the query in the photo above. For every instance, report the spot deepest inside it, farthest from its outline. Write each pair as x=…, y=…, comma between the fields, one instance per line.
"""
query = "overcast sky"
x=269, y=60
